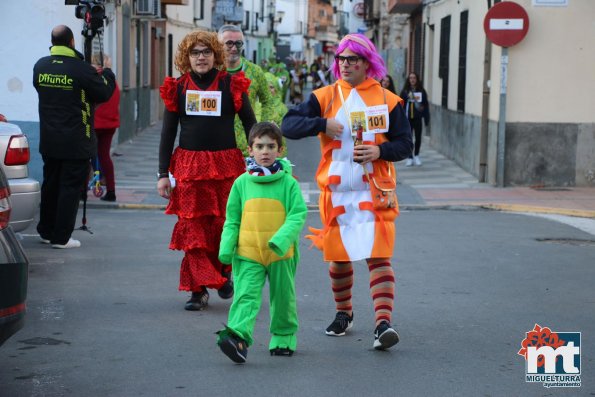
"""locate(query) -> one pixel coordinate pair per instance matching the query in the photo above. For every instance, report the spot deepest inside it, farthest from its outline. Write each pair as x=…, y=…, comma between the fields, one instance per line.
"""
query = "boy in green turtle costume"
x=265, y=215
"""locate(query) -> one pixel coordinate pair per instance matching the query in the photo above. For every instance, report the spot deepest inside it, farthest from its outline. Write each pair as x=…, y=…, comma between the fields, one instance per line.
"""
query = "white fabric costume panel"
x=356, y=226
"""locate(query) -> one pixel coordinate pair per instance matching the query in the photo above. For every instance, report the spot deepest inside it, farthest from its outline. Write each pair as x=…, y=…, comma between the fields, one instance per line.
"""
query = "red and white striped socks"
x=341, y=282
x=382, y=287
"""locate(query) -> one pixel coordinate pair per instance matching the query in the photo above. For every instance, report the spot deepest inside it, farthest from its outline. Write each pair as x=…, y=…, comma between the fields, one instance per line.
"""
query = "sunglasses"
x=351, y=60
x=207, y=52
x=238, y=43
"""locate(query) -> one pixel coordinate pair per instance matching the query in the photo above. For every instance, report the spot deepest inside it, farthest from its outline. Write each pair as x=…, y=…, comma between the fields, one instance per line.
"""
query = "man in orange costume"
x=353, y=229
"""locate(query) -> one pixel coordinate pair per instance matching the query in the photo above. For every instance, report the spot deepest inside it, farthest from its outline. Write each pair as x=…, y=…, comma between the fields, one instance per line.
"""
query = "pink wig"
x=362, y=46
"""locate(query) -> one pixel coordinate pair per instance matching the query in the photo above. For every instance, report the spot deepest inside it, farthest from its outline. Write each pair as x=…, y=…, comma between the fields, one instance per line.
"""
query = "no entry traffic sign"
x=506, y=24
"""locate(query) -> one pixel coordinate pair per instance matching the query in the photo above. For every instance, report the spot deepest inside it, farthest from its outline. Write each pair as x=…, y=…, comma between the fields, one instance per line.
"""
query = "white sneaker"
x=72, y=243
x=43, y=240
x=409, y=163
x=417, y=161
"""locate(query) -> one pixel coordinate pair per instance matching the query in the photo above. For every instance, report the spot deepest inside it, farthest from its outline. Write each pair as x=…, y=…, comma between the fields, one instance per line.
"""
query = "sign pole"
x=502, y=117
x=505, y=24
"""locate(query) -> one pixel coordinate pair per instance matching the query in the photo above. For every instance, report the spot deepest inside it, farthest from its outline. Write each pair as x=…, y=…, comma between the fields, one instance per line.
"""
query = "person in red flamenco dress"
x=203, y=101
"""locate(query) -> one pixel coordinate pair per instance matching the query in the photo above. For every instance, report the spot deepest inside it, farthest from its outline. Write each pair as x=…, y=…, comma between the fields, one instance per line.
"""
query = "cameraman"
x=68, y=90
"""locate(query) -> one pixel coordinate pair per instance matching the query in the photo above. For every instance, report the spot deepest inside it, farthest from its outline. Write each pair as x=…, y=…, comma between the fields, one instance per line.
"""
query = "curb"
x=405, y=207
x=540, y=210
x=125, y=206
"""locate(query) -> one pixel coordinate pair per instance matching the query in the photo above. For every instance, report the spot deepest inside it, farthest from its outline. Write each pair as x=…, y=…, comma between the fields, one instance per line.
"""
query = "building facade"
x=550, y=122
x=322, y=29
x=26, y=44
x=292, y=17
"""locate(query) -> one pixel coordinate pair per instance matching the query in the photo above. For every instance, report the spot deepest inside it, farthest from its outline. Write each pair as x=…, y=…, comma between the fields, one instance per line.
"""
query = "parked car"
x=14, y=268
x=14, y=159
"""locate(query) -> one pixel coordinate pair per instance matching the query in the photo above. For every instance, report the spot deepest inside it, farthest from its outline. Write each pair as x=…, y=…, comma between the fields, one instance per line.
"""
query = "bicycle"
x=95, y=182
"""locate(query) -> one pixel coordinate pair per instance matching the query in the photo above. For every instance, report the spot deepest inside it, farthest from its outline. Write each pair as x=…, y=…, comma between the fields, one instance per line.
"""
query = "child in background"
x=265, y=215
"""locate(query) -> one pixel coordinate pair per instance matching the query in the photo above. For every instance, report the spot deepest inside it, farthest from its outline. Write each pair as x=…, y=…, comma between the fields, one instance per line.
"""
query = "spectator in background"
x=279, y=109
x=388, y=83
x=280, y=71
x=416, y=109
x=296, y=95
x=107, y=119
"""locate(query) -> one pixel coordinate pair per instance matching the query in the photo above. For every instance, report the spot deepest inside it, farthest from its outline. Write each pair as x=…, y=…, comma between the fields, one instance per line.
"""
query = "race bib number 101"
x=203, y=103
x=377, y=117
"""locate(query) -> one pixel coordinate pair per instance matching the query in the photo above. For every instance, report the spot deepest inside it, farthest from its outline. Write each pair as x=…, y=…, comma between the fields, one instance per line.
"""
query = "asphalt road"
x=107, y=319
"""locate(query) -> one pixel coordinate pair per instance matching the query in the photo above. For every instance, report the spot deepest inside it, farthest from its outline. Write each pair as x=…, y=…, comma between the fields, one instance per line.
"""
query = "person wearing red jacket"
x=107, y=119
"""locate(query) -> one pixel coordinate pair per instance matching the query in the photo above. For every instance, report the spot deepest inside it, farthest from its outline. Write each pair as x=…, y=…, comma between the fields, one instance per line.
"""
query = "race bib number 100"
x=203, y=103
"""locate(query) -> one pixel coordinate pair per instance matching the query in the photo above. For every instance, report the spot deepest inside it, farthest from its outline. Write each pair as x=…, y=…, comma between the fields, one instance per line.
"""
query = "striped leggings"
x=382, y=286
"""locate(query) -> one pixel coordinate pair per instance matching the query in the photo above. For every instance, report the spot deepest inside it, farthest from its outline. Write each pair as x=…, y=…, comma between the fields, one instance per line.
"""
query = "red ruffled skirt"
x=203, y=181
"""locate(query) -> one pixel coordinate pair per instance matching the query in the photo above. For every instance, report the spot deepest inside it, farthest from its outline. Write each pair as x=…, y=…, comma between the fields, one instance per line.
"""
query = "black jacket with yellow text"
x=68, y=90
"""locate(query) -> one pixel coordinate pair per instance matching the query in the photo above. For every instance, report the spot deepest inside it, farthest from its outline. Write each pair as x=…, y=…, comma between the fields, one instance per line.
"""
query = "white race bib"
x=203, y=103
x=377, y=118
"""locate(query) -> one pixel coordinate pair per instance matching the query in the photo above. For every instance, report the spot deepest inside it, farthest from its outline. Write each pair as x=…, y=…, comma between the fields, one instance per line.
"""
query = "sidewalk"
x=442, y=183
x=437, y=183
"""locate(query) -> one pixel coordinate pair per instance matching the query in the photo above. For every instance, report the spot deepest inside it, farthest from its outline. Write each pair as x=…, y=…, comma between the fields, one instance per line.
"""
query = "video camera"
x=92, y=12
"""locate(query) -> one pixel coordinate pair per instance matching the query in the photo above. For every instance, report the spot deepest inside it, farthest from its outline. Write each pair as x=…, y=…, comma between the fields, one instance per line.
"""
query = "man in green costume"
x=265, y=215
x=232, y=38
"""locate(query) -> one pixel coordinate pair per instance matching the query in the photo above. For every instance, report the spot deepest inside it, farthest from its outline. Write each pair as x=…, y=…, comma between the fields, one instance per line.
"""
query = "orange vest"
x=352, y=230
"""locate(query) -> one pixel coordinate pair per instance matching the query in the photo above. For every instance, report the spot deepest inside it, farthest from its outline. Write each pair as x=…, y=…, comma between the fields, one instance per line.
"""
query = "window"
x=417, y=46
x=145, y=54
x=247, y=24
x=462, y=61
x=201, y=14
x=444, y=51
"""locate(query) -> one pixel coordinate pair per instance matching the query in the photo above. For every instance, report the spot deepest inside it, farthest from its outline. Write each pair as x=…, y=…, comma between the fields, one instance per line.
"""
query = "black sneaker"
x=385, y=336
x=226, y=291
x=234, y=348
x=342, y=323
x=198, y=301
x=281, y=351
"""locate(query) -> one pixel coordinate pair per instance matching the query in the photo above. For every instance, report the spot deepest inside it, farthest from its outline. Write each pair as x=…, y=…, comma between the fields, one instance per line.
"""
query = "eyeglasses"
x=238, y=43
x=351, y=60
x=207, y=52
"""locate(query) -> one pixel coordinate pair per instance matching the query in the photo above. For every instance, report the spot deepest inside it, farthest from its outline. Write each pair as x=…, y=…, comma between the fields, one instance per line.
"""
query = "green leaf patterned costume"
x=260, y=99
